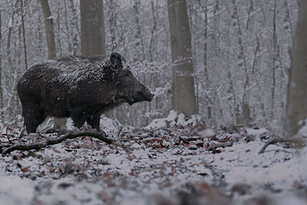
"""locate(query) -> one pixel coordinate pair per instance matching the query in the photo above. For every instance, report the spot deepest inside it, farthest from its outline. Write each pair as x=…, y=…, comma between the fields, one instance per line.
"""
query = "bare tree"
x=243, y=111
x=153, y=30
x=138, y=35
x=1, y=84
x=24, y=34
x=297, y=93
x=49, y=29
x=183, y=93
x=92, y=28
x=112, y=23
x=58, y=122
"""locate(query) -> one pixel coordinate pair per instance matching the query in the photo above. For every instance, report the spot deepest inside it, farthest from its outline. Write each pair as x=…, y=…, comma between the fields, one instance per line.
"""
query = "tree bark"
x=183, y=92
x=138, y=34
x=75, y=25
x=297, y=93
x=243, y=113
x=49, y=29
x=92, y=28
x=1, y=83
x=58, y=122
x=24, y=35
x=112, y=20
x=153, y=30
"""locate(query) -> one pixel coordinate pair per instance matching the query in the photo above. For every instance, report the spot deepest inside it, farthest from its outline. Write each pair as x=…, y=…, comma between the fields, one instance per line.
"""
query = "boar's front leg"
x=33, y=116
x=78, y=116
x=93, y=120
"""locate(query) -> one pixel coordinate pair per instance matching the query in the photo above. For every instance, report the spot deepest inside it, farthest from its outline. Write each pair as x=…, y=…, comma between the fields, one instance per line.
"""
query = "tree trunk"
x=58, y=122
x=75, y=26
x=92, y=28
x=1, y=83
x=112, y=23
x=24, y=35
x=153, y=30
x=245, y=111
x=49, y=29
x=274, y=66
x=138, y=34
x=183, y=93
x=297, y=93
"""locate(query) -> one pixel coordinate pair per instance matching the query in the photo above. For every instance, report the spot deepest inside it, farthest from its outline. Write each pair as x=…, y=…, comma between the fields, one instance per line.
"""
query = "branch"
x=297, y=141
x=218, y=145
x=184, y=140
x=70, y=135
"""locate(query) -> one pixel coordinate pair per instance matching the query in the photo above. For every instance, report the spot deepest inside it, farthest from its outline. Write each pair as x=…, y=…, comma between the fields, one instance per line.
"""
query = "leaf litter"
x=171, y=161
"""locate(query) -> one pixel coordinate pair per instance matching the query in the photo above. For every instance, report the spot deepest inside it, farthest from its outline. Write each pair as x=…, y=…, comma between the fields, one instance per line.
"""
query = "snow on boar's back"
x=78, y=87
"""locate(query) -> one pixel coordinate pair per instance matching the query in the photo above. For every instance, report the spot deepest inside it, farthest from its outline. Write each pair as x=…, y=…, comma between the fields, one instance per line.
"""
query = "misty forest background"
x=240, y=54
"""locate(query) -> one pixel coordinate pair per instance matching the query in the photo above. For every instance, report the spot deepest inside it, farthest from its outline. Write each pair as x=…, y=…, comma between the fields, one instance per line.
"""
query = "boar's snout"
x=143, y=95
x=148, y=95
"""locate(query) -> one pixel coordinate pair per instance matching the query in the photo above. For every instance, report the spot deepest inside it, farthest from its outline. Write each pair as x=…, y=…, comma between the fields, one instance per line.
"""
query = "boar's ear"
x=116, y=61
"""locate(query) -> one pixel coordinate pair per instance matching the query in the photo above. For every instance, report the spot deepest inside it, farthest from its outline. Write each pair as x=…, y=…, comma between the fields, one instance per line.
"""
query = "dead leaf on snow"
x=57, y=151
x=173, y=171
x=131, y=157
x=105, y=197
x=25, y=169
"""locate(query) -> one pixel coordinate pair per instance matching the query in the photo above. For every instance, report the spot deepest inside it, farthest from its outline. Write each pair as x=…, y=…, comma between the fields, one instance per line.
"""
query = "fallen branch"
x=219, y=145
x=5, y=145
x=184, y=140
x=70, y=135
x=297, y=141
x=194, y=138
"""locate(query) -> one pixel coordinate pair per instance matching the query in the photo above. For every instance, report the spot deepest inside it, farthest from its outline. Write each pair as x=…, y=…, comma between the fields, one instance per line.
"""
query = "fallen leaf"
x=105, y=197
x=173, y=171
x=25, y=169
x=132, y=172
x=131, y=157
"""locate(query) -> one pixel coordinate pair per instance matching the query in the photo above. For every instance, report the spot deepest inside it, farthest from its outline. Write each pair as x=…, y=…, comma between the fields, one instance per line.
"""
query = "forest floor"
x=171, y=161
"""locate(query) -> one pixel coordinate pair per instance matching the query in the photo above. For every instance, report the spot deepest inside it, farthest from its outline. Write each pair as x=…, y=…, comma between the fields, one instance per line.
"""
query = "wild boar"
x=78, y=87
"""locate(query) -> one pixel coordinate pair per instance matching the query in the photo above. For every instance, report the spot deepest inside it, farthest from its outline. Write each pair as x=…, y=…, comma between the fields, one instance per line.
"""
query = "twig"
x=4, y=145
x=194, y=138
x=184, y=140
x=223, y=144
x=22, y=133
x=297, y=141
x=119, y=131
x=70, y=135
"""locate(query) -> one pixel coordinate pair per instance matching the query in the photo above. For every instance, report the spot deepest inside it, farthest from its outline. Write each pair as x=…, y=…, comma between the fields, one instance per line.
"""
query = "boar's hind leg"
x=34, y=115
x=93, y=120
x=78, y=116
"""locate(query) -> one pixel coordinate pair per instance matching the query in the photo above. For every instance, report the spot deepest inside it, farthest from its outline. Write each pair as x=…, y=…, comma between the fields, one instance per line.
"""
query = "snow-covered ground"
x=171, y=161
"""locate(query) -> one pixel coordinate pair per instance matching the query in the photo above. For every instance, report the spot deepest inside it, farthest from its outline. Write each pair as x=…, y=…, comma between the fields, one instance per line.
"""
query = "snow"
x=303, y=130
x=153, y=164
x=171, y=119
x=14, y=190
x=260, y=131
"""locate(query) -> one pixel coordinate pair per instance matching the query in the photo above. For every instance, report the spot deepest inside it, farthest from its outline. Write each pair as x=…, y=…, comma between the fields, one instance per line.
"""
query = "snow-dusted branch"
x=219, y=145
x=296, y=141
x=70, y=135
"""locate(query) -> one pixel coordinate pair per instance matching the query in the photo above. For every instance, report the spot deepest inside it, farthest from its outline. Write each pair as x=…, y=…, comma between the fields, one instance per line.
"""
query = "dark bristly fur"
x=78, y=87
